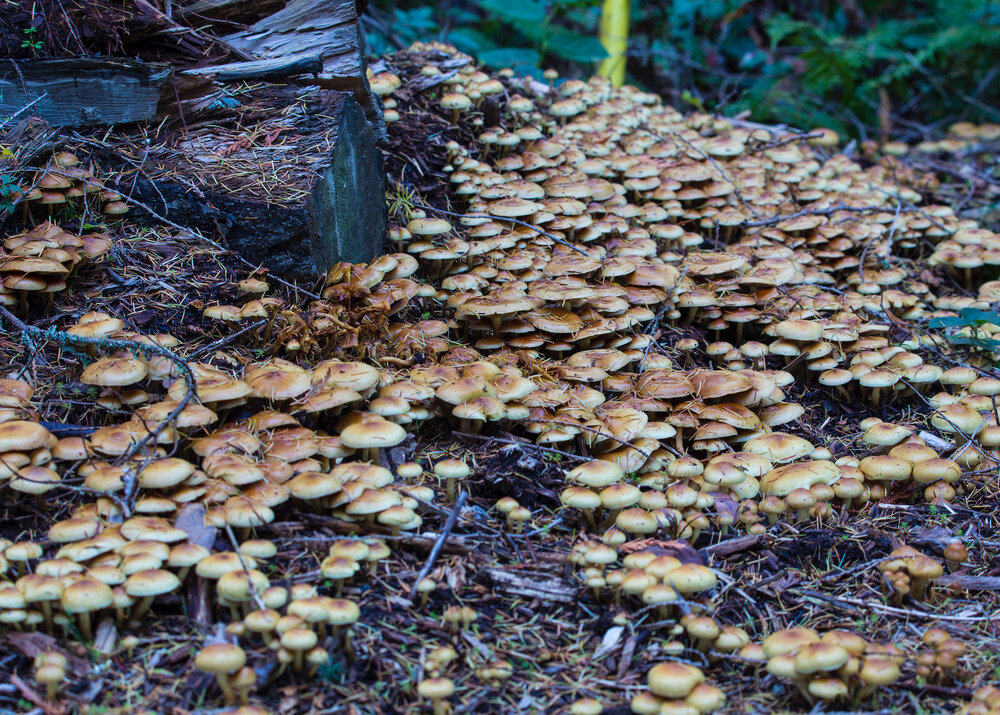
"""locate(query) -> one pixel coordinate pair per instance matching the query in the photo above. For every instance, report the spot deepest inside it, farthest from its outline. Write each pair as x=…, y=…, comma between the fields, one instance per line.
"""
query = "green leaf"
x=511, y=10
x=973, y=315
x=574, y=46
x=948, y=322
x=470, y=40
x=510, y=57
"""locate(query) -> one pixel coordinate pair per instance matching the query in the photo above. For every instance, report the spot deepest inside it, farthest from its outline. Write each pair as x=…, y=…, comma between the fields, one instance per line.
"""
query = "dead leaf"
x=191, y=518
x=612, y=637
x=681, y=550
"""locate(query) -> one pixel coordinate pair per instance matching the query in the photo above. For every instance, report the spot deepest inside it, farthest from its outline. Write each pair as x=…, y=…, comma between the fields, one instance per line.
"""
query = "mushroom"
x=437, y=690
x=222, y=660
x=451, y=470
x=84, y=597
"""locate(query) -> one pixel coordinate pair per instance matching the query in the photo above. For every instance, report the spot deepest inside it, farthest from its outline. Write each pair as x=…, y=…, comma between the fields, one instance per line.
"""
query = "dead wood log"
x=969, y=582
x=327, y=33
x=84, y=91
x=531, y=584
x=291, y=180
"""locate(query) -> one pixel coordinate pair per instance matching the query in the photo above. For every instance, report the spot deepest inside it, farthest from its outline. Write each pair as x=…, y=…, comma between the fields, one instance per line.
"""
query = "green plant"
x=8, y=187
x=971, y=327
x=563, y=29
x=861, y=68
x=868, y=72
x=29, y=42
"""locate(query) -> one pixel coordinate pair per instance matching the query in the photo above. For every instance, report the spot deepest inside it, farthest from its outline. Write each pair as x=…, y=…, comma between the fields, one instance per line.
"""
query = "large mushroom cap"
x=220, y=658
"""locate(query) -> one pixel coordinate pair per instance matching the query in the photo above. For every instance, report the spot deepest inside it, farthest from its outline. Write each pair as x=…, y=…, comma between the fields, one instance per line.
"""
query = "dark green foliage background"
x=863, y=67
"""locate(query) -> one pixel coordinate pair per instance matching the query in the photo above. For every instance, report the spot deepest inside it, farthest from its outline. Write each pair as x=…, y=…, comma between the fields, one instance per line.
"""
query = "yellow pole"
x=614, y=37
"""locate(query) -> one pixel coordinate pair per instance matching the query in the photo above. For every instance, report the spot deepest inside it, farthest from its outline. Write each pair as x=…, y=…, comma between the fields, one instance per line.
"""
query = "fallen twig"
x=442, y=537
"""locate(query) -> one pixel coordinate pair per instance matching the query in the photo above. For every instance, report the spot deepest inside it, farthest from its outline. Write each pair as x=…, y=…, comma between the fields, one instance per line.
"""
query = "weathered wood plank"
x=532, y=584
x=276, y=68
x=85, y=91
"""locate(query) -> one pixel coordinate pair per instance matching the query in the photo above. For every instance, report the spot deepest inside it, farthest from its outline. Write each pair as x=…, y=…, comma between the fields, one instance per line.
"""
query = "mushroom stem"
x=140, y=610
x=47, y=614
x=348, y=646
x=297, y=665
x=86, y=632
x=227, y=689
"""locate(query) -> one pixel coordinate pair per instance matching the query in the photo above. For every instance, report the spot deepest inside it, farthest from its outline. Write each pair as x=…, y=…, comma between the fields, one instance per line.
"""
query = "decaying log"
x=969, y=582
x=292, y=179
x=85, y=91
x=532, y=584
x=327, y=33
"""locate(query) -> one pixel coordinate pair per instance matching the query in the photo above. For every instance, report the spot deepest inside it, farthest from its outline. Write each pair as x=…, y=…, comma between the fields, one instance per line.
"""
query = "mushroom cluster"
x=293, y=626
x=938, y=661
x=958, y=136
x=835, y=666
x=40, y=260
x=27, y=449
x=661, y=299
x=907, y=572
x=676, y=688
x=65, y=182
x=653, y=577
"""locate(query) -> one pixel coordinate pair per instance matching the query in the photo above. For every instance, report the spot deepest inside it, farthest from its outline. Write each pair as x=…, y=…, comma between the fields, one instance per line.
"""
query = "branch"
x=813, y=212
x=29, y=334
x=511, y=220
x=442, y=537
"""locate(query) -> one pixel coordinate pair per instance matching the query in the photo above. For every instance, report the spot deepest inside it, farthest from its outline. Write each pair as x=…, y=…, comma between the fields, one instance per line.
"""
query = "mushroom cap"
x=164, y=473
x=827, y=688
x=779, y=447
x=596, y=473
x=436, y=688
x=428, y=226
x=115, y=371
x=299, y=639
x=85, y=595
x=314, y=485
x=220, y=658
x=451, y=469
x=341, y=611
x=800, y=475
x=152, y=582
x=673, y=680
x=691, y=578
x=789, y=640
x=277, y=379
x=372, y=501
x=820, y=657
x=152, y=528
x=376, y=433
x=23, y=436
x=455, y=100
x=218, y=564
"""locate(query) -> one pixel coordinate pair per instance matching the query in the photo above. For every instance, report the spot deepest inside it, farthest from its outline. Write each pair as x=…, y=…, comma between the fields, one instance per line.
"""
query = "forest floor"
x=544, y=633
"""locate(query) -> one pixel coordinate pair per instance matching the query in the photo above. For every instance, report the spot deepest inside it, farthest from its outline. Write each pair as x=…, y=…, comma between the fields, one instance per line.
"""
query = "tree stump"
x=292, y=179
